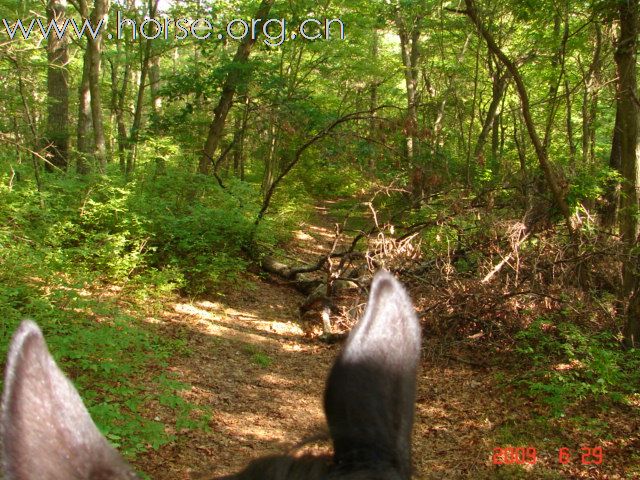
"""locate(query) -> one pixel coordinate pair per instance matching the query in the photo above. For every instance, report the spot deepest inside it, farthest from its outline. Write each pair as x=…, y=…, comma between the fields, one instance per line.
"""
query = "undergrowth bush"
x=568, y=365
x=326, y=178
x=197, y=228
x=187, y=226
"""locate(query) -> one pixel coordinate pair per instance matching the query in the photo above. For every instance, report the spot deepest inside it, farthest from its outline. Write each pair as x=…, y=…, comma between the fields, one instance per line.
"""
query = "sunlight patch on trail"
x=280, y=328
x=251, y=427
x=228, y=322
x=302, y=236
x=208, y=305
x=188, y=309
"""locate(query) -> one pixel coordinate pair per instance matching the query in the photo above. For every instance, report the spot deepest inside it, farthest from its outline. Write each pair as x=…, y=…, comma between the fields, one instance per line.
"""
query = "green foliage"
x=128, y=430
x=204, y=243
x=329, y=179
x=261, y=359
x=591, y=183
x=257, y=356
x=188, y=416
x=175, y=231
x=155, y=284
x=569, y=365
x=198, y=229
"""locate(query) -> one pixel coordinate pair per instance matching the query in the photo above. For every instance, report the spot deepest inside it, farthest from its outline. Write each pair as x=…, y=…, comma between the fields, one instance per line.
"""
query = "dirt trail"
x=250, y=362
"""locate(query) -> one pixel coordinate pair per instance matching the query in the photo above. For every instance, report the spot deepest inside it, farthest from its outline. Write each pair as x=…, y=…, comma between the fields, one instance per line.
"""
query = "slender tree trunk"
x=495, y=145
x=590, y=99
x=235, y=78
x=84, y=117
x=503, y=128
x=541, y=151
x=554, y=84
x=30, y=121
x=238, y=140
x=118, y=97
x=57, y=136
x=154, y=84
x=136, y=124
x=586, y=123
x=569, y=118
x=520, y=147
x=373, y=103
x=500, y=83
x=609, y=211
x=410, y=56
x=270, y=160
x=472, y=119
x=100, y=10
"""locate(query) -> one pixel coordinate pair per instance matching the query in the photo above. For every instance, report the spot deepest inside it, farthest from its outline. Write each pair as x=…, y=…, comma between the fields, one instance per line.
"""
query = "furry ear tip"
x=384, y=283
x=384, y=280
x=28, y=327
x=27, y=348
x=382, y=275
x=27, y=330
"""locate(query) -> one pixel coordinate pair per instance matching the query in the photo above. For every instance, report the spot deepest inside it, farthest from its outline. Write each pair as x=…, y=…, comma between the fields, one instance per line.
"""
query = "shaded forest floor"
x=249, y=360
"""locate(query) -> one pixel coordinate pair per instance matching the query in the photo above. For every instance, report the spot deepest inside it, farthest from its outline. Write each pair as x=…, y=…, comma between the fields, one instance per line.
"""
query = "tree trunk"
x=57, y=136
x=590, y=99
x=500, y=83
x=569, y=118
x=541, y=152
x=495, y=145
x=373, y=103
x=134, y=132
x=154, y=83
x=136, y=124
x=270, y=159
x=609, y=211
x=554, y=84
x=626, y=58
x=100, y=10
x=519, y=141
x=118, y=97
x=410, y=57
x=238, y=140
x=472, y=119
x=235, y=78
x=84, y=116
x=632, y=327
x=25, y=99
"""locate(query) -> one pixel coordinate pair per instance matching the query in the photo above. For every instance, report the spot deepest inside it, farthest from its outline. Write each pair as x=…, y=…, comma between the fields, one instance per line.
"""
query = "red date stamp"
x=515, y=455
x=529, y=456
x=587, y=456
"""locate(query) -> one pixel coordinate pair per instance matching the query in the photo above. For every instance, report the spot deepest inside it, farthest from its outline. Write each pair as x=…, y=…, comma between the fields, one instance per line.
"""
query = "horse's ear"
x=47, y=433
x=370, y=395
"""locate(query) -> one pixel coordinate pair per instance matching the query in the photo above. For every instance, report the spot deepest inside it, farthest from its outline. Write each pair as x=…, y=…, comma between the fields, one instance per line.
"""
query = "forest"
x=196, y=194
